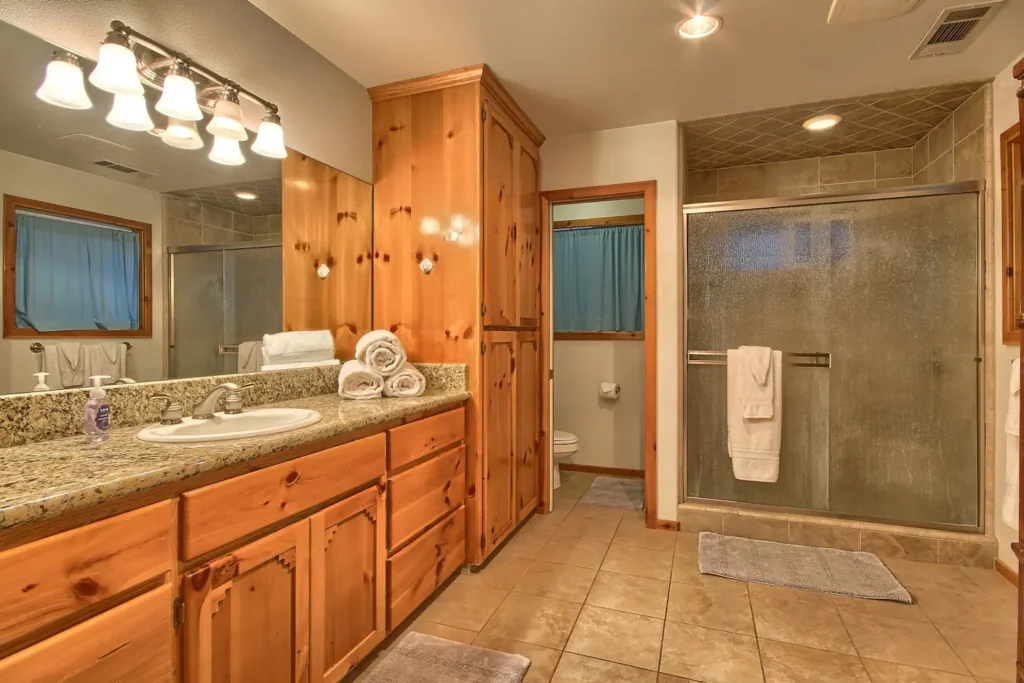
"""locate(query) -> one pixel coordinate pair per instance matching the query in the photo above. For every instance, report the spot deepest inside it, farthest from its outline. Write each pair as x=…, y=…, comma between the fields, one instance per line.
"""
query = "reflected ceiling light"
x=227, y=117
x=130, y=112
x=824, y=122
x=248, y=196
x=116, y=70
x=178, y=100
x=270, y=137
x=64, y=85
x=182, y=134
x=700, y=26
x=226, y=152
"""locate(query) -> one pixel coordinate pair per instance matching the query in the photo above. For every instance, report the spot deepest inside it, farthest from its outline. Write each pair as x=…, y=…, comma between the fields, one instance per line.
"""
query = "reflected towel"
x=296, y=366
x=381, y=351
x=250, y=356
x=70, y=368
x=51, y=366
x=298, y=347
x=1011, y=498
x=408, y=382
x=105, y=358
x=356, y=381
x=754, y=443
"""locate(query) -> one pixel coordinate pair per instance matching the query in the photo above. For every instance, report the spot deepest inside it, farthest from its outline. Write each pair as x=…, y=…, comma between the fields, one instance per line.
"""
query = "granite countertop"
x=47, y=479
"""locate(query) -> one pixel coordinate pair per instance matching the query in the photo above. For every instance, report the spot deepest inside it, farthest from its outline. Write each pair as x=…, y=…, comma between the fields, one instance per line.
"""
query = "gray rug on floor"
x=419, y=658
x=615, y=492
x=839, y=572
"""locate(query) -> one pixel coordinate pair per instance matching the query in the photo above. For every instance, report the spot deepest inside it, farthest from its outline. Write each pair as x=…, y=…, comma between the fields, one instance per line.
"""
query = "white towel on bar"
x=105, y=358
x=356, y=381
x=297, y=366
x=758, y=385
x=1011, y=498
x=298, y=347
x=754, y=443
x=381, y=351
x=406, y=383
x=250, y=356
x=70, y=368
x=52, y=366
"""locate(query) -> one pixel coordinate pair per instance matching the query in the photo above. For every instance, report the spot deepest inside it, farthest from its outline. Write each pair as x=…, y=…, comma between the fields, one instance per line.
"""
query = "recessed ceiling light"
x=246, y=195
x=824, y=122
x=699, y=26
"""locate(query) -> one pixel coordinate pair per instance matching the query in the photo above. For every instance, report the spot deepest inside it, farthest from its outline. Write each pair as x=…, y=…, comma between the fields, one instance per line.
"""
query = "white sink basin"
x=223, y=427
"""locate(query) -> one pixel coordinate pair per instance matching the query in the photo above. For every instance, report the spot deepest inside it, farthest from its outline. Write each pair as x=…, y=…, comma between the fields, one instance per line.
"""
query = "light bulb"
x=182, y=134
x=130, y=112
x=178, y=100
x=65, y=84
x=270, y=137
x=227, y=118
x=116, y=70
x=700, y=26
x=226, y=152
x=430, y=226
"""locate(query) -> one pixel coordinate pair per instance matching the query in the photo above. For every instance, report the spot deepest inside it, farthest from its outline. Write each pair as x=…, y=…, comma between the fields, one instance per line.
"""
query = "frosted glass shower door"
x=888, y=287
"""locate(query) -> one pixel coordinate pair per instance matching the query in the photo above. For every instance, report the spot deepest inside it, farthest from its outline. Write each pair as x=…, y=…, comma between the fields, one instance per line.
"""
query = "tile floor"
x=589, y=595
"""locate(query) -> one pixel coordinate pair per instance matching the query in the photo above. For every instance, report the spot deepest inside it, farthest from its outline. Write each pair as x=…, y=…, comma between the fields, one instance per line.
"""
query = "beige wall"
x=615, y=207
x=34, y=179
x=955, y=149
x=620, y=155
x=188, y=222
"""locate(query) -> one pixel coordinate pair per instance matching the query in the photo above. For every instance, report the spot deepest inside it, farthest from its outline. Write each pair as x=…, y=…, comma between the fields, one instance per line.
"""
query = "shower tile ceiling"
x=870, y=123
x=267, y=202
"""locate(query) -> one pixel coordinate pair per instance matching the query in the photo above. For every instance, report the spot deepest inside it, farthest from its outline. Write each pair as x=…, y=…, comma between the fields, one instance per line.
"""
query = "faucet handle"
x=171, y=413
x=233, y=399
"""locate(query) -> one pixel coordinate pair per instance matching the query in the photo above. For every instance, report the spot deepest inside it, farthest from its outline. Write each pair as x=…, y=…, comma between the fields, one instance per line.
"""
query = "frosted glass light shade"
x=182, y=134
x=130, y=112
x=227, y=119
x=270, y=140
x=116, y=71
x=64, y=85
x=226, y=152
x=178, y=100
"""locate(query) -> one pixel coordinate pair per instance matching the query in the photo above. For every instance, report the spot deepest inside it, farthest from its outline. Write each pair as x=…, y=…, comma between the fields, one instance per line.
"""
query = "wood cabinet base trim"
x=594, y=469
x=1006, y=572
x=668, y=524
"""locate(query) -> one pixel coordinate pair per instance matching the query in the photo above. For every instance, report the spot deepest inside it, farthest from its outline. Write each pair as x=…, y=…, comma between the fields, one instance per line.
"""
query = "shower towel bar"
x=800, y=360
x=36, y=347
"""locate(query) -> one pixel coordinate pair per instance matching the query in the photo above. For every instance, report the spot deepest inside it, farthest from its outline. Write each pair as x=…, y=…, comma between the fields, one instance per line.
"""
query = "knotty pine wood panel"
x=499, y=436
x=528, y=418
x=326, y=219
x=528, y=236
x=422, y=495
x=498, y=238
x=412, y=441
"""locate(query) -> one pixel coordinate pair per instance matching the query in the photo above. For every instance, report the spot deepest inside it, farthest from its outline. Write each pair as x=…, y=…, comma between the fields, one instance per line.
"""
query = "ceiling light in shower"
x=129, y=112
x=226, y=152
x=116, y=70
x=64, y=85
x=246, y=195
x=227, y=117
x=700, y=26
x=178, y=100
x=824, y=122
x=270, y=137
x=182, y=134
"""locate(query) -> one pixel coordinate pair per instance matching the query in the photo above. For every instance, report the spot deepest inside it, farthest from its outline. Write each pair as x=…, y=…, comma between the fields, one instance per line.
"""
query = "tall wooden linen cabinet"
x=457, y=271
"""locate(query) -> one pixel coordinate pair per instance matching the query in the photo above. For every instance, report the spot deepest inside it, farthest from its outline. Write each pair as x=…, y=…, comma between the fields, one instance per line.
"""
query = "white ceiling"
x=578, y=65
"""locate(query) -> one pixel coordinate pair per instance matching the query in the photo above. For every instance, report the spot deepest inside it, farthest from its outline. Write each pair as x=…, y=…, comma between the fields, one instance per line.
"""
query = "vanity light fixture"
x=116, y=70
x=130, y=112
x=246, y=195
x=700, y=26
x=182, y=134
x=227, y=152
x=178, y=100
x=823, y=122
x=270, y=137
x=64, y=85
x=227, y=117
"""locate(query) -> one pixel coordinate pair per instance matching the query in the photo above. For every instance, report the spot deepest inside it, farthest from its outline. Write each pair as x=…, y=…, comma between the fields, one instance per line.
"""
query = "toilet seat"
x=566, y=443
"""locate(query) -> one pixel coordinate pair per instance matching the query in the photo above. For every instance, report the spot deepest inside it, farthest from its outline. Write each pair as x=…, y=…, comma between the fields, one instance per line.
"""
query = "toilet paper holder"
x=609, y=390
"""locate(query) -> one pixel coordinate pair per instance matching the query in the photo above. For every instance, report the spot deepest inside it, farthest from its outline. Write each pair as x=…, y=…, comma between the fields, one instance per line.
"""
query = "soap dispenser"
x=96, y=422
x=40, y=381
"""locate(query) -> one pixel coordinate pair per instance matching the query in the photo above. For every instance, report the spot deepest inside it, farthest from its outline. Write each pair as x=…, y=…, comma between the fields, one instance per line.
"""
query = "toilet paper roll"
x=609, y=390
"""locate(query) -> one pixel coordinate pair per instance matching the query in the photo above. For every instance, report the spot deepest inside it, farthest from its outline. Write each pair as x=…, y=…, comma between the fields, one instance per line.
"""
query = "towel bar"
x=799, y=360
x=36, y=347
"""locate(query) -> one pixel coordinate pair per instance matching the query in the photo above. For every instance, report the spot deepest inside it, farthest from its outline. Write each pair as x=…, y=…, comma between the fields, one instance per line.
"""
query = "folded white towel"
x=406, y=383
x=1011, y=497
x=296, y=366
x=105, y=358
x=381, y=351
x=250, y=356
x=758, y=385
x=70, y=367
x=356, y=381
x=298, y=347
x=51, y=365
x=754, y=443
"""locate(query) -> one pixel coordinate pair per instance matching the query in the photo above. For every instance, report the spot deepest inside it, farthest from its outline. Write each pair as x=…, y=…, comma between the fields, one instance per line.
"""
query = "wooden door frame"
x=648, y=191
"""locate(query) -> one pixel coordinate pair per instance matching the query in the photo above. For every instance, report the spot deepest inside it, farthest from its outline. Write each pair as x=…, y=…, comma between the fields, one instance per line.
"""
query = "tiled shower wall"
x=187, y=223
x=954, y=150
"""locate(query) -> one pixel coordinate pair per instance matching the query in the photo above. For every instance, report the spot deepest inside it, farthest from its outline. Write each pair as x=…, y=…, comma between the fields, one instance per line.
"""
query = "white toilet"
x=566, y=444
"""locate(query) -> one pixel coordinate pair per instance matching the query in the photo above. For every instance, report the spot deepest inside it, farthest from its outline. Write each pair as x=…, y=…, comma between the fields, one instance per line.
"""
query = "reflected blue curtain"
x=599, y=279
x=75, y=276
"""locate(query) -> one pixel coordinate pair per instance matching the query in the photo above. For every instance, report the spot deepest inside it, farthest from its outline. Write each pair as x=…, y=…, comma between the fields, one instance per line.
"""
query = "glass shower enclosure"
x=876, y=302
x=220, y=296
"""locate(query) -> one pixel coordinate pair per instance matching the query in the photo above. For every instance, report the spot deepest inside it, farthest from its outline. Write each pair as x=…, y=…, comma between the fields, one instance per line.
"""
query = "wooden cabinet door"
x=498, y=233
x=347, y=561
x=527, y=389
x=247, y=613
x=499, y=436
x=528, y=235
x=132, y=643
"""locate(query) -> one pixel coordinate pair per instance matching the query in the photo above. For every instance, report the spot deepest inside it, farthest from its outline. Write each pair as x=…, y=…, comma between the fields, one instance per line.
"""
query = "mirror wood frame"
x=1013, y=231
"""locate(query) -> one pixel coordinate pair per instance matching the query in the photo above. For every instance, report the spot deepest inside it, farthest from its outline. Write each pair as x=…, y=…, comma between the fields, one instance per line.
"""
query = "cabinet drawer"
x=132, y=643
x=413, y=441
x=420, y=496
x=224, y=512
x=419, y=568
x=57, y=576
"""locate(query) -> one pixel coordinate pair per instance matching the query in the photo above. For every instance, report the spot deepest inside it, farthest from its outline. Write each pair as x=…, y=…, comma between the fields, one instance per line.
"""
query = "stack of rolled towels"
x=380, y=367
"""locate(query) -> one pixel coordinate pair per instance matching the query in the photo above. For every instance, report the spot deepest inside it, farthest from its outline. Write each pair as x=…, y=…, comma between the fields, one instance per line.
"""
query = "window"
x=74, y=273
x=1012, y=232
x=599, y=280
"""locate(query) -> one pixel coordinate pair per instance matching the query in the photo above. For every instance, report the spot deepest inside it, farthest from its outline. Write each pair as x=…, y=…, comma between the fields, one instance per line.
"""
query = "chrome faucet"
x=232, y=401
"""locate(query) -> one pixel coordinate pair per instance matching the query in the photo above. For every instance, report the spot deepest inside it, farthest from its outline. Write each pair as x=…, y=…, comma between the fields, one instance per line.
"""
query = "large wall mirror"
x=129, y=257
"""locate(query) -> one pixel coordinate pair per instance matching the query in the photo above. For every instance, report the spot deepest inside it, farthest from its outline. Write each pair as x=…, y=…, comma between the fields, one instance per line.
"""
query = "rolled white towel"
x=356, y=381
x=381, y=351
x=406, y=383
x=298, y=347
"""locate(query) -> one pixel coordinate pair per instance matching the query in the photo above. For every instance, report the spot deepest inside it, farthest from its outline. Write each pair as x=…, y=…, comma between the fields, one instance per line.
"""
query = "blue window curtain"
x=72, y=275
x=599, y=279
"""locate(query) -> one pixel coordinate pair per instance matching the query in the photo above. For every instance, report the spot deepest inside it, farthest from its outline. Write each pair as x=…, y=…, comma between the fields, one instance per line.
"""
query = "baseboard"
x=593, y=469
x=1006, y=571
x=668, y=524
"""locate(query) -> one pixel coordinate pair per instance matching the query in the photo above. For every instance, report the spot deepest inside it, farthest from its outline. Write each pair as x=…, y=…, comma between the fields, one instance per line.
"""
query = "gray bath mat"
x=419, y=658
x=839, y=572
x=614, y=492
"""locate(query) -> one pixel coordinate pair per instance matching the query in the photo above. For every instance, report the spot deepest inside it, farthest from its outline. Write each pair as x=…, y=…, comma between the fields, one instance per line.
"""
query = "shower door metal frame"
x=972, y=187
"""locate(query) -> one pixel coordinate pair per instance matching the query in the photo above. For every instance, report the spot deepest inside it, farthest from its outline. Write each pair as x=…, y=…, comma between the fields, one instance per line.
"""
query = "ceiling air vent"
x=956, y=28
x=114, y=166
